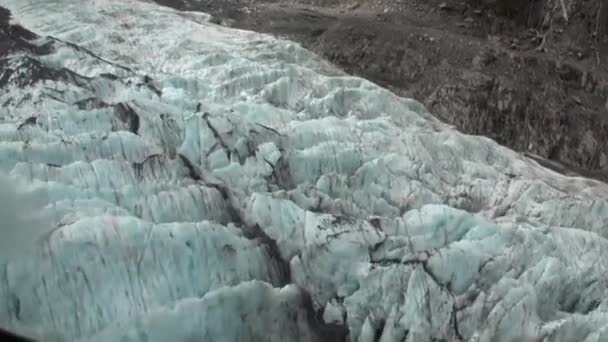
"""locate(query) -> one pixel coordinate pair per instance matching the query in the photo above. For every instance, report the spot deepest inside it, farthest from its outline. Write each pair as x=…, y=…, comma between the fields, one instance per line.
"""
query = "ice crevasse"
x=168, y=179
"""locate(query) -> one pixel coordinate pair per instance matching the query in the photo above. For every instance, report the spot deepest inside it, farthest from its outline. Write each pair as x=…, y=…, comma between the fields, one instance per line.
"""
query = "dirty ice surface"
x=189, y=182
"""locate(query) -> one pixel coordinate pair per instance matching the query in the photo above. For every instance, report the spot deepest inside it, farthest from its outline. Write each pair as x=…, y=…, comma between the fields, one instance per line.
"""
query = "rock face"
x=204, y=183
x=538, y=123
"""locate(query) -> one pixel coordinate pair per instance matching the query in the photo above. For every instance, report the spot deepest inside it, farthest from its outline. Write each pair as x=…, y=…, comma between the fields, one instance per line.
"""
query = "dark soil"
x=527, y=73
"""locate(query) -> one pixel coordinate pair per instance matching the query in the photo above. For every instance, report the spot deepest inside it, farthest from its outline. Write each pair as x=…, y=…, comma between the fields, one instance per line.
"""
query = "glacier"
x=168, y=179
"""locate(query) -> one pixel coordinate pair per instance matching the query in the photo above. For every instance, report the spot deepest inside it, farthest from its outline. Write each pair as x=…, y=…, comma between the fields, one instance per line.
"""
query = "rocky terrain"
x=531, y=75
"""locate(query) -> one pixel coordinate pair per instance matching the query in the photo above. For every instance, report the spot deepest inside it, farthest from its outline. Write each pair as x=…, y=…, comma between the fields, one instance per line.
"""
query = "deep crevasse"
x=184, y=166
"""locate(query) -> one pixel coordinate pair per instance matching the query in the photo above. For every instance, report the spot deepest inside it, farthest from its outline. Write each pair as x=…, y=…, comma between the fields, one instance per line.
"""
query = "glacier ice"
x=194, y=182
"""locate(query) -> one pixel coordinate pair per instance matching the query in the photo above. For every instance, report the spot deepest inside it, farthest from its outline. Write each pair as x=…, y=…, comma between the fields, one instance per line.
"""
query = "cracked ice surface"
x=204, y=183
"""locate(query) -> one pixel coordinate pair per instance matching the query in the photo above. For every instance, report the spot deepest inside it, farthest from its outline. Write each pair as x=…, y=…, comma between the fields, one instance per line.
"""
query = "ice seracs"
x=208, y=183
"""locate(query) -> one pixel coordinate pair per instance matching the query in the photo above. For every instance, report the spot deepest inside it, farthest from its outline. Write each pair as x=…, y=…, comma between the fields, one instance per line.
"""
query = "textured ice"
x=193, y=182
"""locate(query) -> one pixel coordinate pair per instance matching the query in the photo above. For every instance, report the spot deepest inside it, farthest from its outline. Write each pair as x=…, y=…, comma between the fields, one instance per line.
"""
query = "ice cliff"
x=167, y=179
